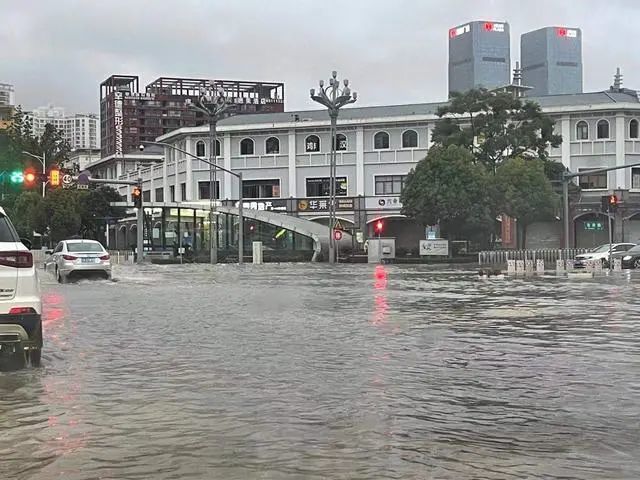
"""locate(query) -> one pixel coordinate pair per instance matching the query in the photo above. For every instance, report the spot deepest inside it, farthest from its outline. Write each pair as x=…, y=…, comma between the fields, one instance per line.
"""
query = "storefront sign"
x=434, y=247
x=117, y=122
x=322, y=205
x=139, y=96
x=386, y=203
x=268, y=205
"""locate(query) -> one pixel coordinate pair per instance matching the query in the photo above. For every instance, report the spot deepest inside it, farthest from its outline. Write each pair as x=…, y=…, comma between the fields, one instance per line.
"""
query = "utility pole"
x=333, y=97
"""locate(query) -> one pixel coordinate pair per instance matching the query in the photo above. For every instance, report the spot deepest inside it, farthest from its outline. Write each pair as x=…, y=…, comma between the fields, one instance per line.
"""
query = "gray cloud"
x=392, y=51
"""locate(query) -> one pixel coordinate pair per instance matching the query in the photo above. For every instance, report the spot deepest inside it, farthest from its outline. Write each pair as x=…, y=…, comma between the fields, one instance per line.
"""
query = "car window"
x=84, y=247
x=7, y=232
x=620, y=248
x=58, y=248
x=626, y=247
x=601, y=249
x=635, y=249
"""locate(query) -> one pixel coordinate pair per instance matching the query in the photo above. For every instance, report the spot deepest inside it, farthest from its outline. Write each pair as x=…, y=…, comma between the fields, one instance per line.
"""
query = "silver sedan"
x=78, y=258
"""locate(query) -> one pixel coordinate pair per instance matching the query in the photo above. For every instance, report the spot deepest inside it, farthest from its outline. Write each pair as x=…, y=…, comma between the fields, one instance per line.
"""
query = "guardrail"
x=548, y=255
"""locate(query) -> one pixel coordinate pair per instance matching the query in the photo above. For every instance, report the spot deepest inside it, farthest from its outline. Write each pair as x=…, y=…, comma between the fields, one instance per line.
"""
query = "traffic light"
x=54, y=177
x=378, y=227
x=16, y=177
x=609, y=203
x=30, y=178
x=136, y=196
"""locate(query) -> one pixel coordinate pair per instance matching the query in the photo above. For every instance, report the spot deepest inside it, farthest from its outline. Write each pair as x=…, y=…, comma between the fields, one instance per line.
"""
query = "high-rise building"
x=552, y=60
x=80, y=130
x=129, y=116
x=479, y=56
x=7, y=103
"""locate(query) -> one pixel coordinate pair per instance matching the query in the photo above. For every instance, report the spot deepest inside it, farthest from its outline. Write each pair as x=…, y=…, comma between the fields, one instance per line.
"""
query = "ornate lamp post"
x=333, y=96
x=212, y=103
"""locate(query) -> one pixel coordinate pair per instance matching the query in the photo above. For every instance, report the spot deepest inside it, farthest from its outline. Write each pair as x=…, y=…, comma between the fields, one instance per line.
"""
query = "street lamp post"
x=238, y=175
x=333, y=97
x=212, y=103
x=43, y=160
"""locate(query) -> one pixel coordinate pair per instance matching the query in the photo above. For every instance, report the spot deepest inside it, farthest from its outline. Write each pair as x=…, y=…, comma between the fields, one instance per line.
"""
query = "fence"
x=548, y=255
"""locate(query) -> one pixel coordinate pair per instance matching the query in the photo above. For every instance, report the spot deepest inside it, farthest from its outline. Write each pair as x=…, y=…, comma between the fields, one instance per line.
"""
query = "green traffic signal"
x=16, y=176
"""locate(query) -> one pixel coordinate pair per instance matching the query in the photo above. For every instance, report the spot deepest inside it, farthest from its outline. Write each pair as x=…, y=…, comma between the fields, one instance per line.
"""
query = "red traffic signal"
x=136, y=196
x=610, y=203
x=613, y=200
x=378, y=227
x=30, y=178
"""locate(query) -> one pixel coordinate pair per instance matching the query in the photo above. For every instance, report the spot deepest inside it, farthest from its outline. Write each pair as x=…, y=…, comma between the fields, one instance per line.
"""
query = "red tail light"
x=16, y=259
x=69, y=257
x=104, y=257
x=21, y=310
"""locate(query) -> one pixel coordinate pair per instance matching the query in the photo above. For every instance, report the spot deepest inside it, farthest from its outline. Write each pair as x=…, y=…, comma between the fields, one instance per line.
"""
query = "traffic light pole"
x=566, y=178
x=610, y=235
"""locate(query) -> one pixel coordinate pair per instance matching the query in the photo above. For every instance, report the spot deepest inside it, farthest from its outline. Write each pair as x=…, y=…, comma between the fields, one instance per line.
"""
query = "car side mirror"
x=26, y=242
x=48, y=252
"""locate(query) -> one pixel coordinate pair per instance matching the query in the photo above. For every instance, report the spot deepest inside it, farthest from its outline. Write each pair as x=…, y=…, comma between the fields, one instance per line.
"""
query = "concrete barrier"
x=560, y=266
x=528, y=266
x=617, y=264
x=511, y=267
x=257, y=253
x=519, y=267
x=540, y=267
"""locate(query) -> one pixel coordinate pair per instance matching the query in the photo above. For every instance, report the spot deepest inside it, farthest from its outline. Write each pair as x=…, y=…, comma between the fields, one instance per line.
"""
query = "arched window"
x=602, y=129
x=633, y=128
x=246, y=146
x=381, y=141
x=272, y=146
x=410, y=139
x=200, y=150
x=312, y=144
x=582, y=130
x=341, y=142
x=217, y=148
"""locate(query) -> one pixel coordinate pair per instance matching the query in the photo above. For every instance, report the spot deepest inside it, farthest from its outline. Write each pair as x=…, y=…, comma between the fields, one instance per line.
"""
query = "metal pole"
x=332, y=187
x=140, y=228
x=44, y=171
x=213, y=219
x=610, y=235
x=565, y=195
x=240, y=222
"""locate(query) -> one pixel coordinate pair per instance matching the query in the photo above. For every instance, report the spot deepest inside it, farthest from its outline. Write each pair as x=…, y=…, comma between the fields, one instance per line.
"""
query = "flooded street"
x=304, y=371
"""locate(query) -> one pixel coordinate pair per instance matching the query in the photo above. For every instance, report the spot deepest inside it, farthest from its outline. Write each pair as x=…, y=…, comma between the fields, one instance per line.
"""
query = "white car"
x=20, y=300
x=601, y=254
x=78, y=258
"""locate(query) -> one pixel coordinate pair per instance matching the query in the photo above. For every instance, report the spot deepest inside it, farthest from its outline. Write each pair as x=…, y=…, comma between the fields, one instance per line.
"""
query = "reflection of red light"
x=488, y=26
x=380, y=272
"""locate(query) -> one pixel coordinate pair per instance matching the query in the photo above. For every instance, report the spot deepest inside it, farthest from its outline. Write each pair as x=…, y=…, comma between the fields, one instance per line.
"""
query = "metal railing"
x=547, y=254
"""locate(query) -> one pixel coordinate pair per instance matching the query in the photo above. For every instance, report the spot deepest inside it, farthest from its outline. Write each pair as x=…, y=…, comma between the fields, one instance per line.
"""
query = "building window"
x=410, y=139
x=633, y=128
x=319, y=187
x=172, y=193
x=381, y=141
x=246, y=146
x=272, y=146
x=312, y=144
x=602, y=129
x=200, y=149
x=595, y=181
x=389, y=184
x=261, y=188
x=146, y=196
x=582, y=130
x=205, y=187
x=635, y=178
x=183, y=191
x=160, y=194
x=341, y=142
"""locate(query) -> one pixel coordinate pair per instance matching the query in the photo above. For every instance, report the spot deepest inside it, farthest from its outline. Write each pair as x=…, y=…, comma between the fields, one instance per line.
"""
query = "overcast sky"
x=393, y=51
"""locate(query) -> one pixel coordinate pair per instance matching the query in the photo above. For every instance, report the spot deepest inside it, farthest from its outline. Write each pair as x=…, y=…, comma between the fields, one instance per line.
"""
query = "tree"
x=449, y=189
x=95, y=209
x=62, y=212
x=525, y=193
x=28, y=214
x=495, y=126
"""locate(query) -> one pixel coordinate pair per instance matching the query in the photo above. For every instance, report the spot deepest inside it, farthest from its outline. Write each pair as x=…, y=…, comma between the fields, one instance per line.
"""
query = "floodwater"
x=304, y=371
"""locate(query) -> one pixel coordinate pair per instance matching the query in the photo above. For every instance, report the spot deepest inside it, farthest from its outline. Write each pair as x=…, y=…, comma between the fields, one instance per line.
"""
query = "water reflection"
x=303, y=371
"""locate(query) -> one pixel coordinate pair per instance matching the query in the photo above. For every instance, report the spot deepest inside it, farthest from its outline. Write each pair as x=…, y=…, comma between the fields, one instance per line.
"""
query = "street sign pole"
x=140, y=228
x=610, y=235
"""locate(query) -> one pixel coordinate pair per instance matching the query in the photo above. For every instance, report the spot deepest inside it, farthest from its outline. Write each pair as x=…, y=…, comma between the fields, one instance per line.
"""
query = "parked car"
x=20, y=301
x=75, y=258
x=601, y=253
x=630, y=258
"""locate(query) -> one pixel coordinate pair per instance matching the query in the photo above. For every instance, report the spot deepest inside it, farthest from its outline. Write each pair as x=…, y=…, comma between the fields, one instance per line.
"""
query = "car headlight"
x=627, y=257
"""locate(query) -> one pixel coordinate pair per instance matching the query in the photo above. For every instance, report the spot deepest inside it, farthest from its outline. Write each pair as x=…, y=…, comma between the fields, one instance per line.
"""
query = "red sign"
x=337, y=234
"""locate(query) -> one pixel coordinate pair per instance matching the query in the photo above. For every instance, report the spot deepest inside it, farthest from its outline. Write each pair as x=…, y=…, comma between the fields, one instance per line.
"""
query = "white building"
x=80, y=130
x=7, y=94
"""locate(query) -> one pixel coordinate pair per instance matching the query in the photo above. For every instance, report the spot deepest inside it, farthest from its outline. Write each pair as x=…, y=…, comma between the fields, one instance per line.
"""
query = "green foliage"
x=449, y=189
x=62, y=212
x=524, y=191
x=495, y=126
x=94, y=209
x=28, y=214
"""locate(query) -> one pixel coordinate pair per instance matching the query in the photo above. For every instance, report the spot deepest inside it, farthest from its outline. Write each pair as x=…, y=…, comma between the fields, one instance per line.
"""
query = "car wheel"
x=61, y=278
x=636, y=263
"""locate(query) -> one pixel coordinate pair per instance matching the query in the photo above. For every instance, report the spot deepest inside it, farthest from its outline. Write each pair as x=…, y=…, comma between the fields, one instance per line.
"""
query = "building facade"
x=80, y=130
x=284, y=160
x=7, y=104
x=479, y=56
x=129, y=116
x=552, y=60
x=81, y=158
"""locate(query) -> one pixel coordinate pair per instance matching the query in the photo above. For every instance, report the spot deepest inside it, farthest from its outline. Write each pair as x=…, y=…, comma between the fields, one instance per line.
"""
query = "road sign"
x=593, y=226
x=83, y=181
x=338, y=225
x=67, y=181
x=337, y=234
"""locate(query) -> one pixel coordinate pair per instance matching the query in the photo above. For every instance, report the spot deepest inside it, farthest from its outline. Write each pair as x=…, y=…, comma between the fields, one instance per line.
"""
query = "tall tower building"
x=7, y=102
x=479, y=56
x=552, y=60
